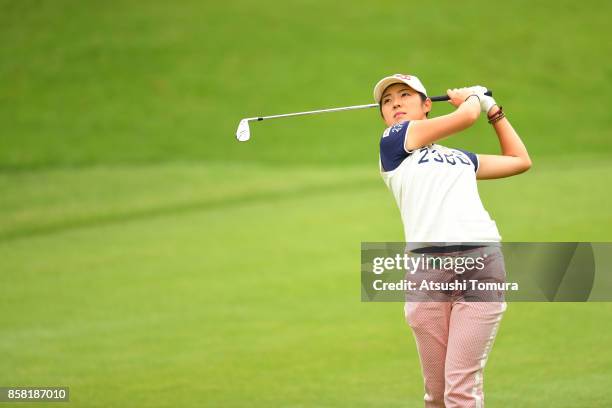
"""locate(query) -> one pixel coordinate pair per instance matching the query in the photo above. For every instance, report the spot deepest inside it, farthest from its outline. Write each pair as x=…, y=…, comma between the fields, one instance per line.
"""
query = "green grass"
x=148, y=259
x=47, y=202
x=118, y=81
x=193, y=285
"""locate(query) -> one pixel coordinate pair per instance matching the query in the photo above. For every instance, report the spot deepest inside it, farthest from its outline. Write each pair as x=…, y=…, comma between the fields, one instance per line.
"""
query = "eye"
x=386, y=100
x=405, y=94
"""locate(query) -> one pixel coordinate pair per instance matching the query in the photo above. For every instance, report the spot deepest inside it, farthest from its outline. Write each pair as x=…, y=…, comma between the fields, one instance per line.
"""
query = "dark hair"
x=423, y=99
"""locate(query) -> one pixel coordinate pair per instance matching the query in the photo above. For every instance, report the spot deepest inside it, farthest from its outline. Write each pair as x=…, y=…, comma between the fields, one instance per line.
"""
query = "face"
x=401, y=103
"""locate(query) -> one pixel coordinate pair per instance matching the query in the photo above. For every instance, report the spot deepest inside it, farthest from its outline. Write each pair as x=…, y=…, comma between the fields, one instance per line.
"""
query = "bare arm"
x=514, y=158
x=424, y=132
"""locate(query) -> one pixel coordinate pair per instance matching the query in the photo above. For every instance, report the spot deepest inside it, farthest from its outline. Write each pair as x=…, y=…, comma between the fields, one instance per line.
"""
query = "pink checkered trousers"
x=454, y=338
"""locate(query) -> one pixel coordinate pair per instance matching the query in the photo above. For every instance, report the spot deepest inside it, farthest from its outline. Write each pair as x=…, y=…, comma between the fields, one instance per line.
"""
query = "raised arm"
x=514, y=158
x=424, y=132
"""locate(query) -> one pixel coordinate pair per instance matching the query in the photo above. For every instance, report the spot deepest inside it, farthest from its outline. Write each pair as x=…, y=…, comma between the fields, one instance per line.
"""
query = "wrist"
x=471, y=107
x=497, y=116
x=492, y=111
x=471, y=102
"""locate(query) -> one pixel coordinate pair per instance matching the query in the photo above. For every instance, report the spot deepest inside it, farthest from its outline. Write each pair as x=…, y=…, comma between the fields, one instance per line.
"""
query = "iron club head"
x=244, y=132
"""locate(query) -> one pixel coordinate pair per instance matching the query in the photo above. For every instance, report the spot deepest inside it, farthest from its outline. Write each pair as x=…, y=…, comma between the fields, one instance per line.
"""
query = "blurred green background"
x=149, y=259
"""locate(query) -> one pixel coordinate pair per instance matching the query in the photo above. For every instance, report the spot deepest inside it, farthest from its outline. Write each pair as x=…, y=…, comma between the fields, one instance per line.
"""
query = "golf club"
x=243, y=133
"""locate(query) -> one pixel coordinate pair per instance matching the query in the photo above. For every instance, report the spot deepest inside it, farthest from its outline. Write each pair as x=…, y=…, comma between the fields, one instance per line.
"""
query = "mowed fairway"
x=147, y=259
x=238, y=285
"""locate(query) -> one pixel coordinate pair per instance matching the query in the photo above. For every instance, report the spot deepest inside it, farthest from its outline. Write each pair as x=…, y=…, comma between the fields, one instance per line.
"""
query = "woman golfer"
x=435, y=189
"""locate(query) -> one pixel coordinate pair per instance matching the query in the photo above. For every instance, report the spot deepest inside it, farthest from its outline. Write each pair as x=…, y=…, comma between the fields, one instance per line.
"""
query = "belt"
x=445, y=249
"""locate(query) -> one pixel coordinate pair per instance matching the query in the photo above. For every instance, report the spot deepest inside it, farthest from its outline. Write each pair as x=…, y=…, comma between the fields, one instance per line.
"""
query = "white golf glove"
x=486, y=102
x=478, y=90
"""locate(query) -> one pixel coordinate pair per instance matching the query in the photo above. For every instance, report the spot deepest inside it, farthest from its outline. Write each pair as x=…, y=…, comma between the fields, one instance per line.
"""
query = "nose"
x=396, y=102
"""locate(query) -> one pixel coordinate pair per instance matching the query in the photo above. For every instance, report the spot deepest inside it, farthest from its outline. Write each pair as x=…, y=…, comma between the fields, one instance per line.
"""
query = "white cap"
x=410, y=80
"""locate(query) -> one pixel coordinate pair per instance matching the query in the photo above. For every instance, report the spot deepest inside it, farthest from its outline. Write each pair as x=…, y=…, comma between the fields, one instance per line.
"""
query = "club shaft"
x=345, y=108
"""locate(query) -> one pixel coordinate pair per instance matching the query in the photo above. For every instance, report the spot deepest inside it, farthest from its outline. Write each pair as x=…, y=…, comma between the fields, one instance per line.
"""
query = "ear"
x=427, y=104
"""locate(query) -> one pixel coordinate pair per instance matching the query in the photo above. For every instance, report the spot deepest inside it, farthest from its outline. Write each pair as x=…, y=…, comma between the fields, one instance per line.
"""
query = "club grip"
x=446, y=98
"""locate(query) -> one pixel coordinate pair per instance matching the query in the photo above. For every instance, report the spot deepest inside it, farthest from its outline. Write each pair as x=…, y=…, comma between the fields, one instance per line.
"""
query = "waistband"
x=446, y=249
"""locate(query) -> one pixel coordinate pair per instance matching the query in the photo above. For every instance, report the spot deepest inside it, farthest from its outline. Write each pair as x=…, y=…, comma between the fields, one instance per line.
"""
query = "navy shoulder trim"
x=472, y=156
x=393, y=147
